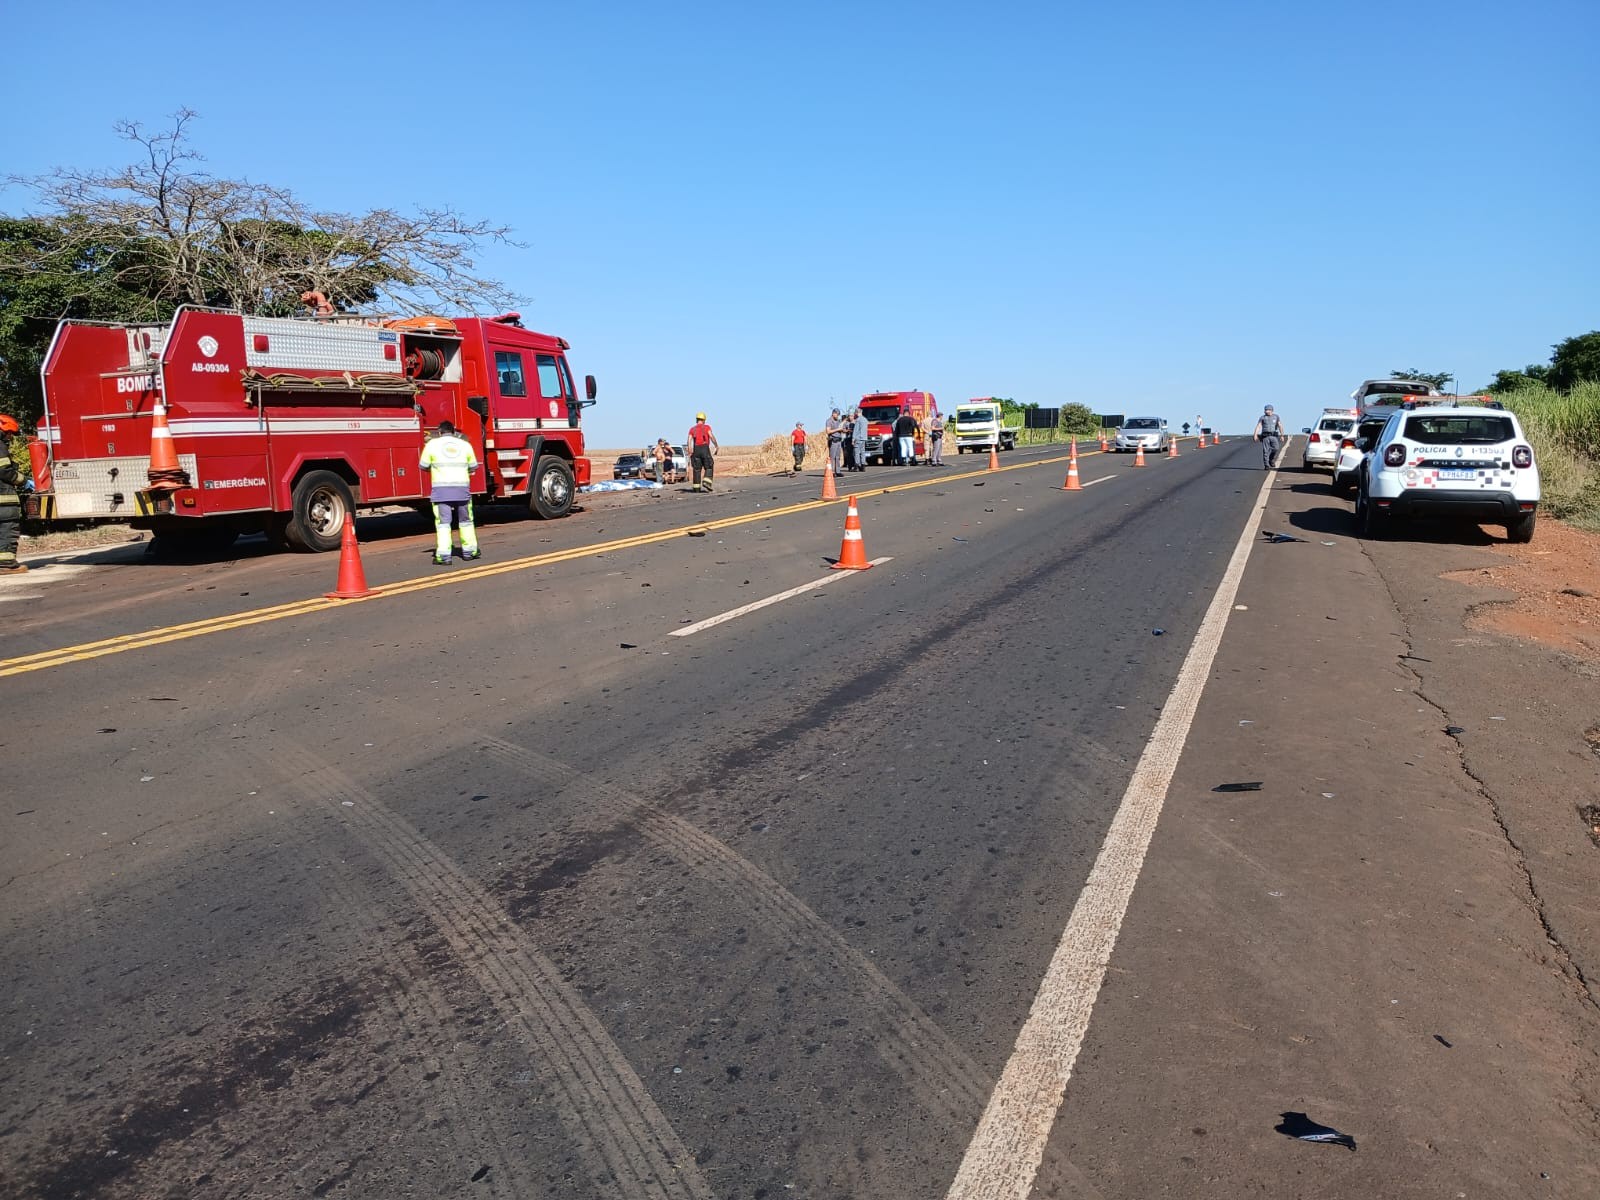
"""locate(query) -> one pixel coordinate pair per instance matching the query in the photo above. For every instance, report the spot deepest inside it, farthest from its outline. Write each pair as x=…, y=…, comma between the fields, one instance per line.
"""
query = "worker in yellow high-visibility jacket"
x=450, y=460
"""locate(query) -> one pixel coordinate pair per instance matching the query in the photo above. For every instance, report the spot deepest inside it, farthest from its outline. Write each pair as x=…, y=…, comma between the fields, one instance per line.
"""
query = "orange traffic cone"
x=1172, y=448
x=352, y=583
x=830, y=490
x=1103, y=447
x=165, y=474
x=852, y=551
x=994, y=458
x=1073, y=483
x=1138, y=455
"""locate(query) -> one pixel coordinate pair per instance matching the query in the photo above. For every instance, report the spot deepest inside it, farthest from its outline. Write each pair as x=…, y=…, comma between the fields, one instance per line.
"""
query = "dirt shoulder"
x=1556, y=582
x=1395, y=934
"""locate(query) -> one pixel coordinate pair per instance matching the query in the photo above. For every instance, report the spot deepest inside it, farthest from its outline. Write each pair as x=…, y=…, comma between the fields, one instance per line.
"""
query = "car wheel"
x=553, y=489
x=1373, y=523
x=1521, y=530
x=320, y=504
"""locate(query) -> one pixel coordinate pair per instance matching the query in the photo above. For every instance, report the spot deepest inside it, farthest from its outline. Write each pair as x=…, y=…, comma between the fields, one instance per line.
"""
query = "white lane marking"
x=751, y=607
x=1008, y=1145
x=1102, y=479
x=28, y=596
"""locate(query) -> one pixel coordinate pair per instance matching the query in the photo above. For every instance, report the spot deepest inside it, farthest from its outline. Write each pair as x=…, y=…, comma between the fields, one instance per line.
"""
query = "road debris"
x=1254, y=786
x=1298, y=1125
x=1279, y=537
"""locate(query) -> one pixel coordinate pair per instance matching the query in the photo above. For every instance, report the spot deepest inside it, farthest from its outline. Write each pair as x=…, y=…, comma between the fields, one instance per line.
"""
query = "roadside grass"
x=1565, y=431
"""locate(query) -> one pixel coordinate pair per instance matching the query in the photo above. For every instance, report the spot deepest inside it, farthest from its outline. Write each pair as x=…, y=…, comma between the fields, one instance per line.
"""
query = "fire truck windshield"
x=880, y=413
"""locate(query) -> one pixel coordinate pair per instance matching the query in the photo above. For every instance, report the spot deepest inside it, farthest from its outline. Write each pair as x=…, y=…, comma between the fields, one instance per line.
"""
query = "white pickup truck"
x=979, y=426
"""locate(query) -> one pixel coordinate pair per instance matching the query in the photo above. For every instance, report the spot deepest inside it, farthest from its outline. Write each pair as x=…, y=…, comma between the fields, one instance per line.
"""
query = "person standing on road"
x=936, y=441
x=702, y=453
x=905, y=430
x=858, y=431
x=663, y=457
x=834, y=428
x=450, y=460
x=1269, y=432
x=798, y=438
x=10, y=498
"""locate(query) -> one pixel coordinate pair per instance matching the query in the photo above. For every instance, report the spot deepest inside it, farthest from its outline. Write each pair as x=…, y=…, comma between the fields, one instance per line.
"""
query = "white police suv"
x=1464, y=460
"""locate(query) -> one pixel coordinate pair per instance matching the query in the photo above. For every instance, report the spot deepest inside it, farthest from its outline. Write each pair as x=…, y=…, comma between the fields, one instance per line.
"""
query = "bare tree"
x=165, y=228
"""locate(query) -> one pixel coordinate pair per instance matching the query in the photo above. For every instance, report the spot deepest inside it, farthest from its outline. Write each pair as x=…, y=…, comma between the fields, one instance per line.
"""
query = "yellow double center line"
x=44, y=659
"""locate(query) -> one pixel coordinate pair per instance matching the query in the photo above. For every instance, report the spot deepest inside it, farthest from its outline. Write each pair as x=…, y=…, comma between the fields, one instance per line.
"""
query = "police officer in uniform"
x=10, y=500
x=1269, y=432
x=450, y=458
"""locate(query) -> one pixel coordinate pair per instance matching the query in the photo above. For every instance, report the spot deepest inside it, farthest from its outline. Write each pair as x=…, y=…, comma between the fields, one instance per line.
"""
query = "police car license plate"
x=1458, y=474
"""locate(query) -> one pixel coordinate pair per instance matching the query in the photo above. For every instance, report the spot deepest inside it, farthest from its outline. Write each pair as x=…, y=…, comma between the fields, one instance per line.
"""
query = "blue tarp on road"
x=621, y=485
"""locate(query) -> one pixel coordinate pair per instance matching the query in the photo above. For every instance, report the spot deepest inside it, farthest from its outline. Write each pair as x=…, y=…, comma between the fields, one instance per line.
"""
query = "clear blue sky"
x=1160, y=206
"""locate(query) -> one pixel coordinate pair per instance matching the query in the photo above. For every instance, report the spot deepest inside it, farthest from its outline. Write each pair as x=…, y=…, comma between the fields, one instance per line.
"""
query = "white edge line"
x=751, y=607
x=1009, y=1143
x=1102, y=479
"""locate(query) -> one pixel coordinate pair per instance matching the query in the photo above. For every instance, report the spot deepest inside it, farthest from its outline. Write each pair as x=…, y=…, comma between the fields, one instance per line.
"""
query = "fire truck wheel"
x=321, y=500
x=552, y=491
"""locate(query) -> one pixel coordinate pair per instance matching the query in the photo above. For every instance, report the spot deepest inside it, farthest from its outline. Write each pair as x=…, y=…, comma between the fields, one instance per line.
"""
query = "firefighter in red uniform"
x=798, y=439
x=10, y=501
x=702, y=446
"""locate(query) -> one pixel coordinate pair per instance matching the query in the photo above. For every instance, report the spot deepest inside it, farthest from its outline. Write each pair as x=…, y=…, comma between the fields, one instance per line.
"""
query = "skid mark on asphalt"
x=418, y=1016
x=910, y=1042
x=627, y=1142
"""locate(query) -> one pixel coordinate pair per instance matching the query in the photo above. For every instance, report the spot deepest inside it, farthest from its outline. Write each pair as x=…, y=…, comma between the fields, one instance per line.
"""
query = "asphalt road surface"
x=526, y=878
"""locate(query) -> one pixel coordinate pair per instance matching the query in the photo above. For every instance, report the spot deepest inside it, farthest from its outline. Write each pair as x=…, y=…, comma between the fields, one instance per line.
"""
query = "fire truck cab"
x=883, y=409
x=285, y=425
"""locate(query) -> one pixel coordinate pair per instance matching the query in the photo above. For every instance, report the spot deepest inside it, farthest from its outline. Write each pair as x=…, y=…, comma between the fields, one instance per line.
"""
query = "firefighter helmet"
x=8, y=424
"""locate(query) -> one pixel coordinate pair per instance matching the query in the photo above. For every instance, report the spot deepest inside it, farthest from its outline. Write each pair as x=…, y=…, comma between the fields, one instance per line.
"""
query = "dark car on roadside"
x=628, y=466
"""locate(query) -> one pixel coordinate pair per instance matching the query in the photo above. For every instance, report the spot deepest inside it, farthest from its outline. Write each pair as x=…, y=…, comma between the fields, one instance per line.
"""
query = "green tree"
x=50, y=269
x=135, y=242
x=1437, y=378
x=1079, y=419
x=1576, y=359
x=1510, y=381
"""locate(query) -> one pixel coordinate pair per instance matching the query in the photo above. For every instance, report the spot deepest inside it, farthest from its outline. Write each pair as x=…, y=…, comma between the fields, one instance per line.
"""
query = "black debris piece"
x=1158, y=632
x=1279, y=537
x=1447, y=1045
x=1238, y=787
x=107, y=729
x=980, y=483
x=1454, y=730
x=1298, y=1125
x=697, y=533
x=628, y=645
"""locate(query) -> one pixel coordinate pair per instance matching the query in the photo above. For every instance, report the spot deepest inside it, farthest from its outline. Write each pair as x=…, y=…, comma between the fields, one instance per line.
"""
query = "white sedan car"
x=1322, y=440
x=1149, y=432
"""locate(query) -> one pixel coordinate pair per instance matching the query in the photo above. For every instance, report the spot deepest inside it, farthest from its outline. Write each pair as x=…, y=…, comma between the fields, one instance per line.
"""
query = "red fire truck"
x=882, y=409
x=284, y=425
